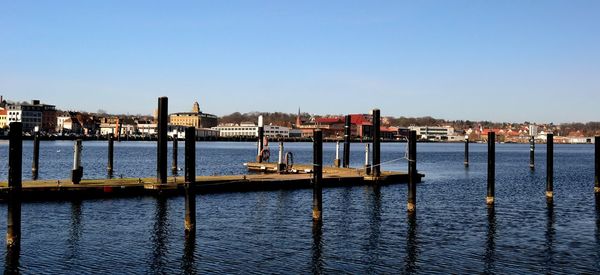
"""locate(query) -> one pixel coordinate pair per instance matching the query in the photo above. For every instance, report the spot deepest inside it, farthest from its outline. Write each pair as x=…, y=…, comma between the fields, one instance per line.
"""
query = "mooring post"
x=376, y=143
x=347, y=134
x=367, y=166
x=466, y=151
x=161, y=160
x=174, y=161
x=77, y=172
x=336, y=161
x=111, y=149
x=597, y=164
x=261, y=136
x=532, y=153
x=412, y=172
x=15, y=165
x=550, y=166
x=280, y=164
x=317, y=175
x=190, y=180
x=491, y=177
x=36, y=154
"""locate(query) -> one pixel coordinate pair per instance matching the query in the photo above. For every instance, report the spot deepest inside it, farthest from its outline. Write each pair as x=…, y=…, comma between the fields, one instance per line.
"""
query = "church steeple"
x=298, y=120
x=196, y=108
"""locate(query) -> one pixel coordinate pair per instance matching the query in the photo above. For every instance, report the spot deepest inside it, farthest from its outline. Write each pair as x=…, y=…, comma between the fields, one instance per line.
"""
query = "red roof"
x=3, y=112
x=360, y=119
x=328, y=120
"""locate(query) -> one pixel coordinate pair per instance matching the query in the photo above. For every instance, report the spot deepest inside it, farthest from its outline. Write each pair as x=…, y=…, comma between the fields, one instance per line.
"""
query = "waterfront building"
x=433, y=132
x=3, y=119
x=49, y=117
x=28, y=114
x=195, y=118
x=147, y=128
x=333, y=127
x=246, y=129
x=118, y=126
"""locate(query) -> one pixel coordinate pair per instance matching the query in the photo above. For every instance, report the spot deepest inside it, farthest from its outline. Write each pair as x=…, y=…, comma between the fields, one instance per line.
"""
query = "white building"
x=251, y=130
x=28, y=114
x=147, y=129
x=433, y=132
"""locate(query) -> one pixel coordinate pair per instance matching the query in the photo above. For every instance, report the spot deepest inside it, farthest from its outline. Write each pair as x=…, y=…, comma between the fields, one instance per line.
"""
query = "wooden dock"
x=263, y=176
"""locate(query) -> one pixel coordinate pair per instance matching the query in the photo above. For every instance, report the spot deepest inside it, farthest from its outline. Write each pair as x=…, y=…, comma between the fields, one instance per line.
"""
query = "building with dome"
x=195, y=118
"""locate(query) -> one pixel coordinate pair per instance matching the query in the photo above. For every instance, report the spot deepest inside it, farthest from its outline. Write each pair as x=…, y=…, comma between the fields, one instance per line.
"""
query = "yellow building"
x=3, y=121
x=195, y=118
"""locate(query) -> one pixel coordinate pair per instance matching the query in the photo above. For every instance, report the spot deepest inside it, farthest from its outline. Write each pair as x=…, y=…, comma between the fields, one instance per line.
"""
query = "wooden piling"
x=466, y=152
x=317, y=175
x=161, y=160
x=77, y=171
x=550, y=166
x=190, y=180
x=15, y=157
x=367, y=165
x=174, y=160
x=491, y=177
x=261, y=136
x=347, y=134
x=280, y=164
x=412, y=172
x=336, y=161
x=111, y=148
x=376, y=143
x=36, y=156
x=532, y=153
x=597, y=164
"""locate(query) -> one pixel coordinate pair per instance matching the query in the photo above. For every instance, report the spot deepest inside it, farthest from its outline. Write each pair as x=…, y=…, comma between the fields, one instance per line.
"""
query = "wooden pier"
x=263, y=177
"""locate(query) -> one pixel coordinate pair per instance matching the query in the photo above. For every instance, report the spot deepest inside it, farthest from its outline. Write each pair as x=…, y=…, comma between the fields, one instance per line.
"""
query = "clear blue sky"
x=480, y=60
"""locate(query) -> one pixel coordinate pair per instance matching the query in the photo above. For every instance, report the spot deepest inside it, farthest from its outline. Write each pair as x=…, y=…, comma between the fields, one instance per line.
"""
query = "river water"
x=364, y=230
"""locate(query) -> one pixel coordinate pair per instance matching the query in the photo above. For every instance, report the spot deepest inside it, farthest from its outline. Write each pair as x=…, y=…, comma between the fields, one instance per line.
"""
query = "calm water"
x=365, y=229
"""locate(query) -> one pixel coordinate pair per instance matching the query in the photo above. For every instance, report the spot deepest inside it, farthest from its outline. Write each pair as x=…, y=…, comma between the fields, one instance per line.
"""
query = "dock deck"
x=263, y=176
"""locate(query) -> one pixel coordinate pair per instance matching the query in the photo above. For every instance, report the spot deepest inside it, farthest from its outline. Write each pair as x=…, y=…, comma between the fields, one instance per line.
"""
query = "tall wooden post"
x=111, y=149
x=13, y=225
x=532, y=153
x=550, y=166
x=491, y=177
x=412, y=172
x=161, y=160
x=15, y=165
x=466, y=151
x=174, y=161
x=261, y=136
x=597, y=164
x=36, y=155
x=336, y=161
x=77, y=172
x=347, y=135
x=317, y=175
x=280, y=164
x=376, y=143
x=367, y=165
x=190, y=180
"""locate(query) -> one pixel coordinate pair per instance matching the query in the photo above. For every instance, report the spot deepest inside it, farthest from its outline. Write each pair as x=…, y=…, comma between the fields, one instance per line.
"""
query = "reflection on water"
x=490, y=243
x=412, y=249
x=363, y=232
x=159, y=237
x=75, y=230
x=11, y=265
x=317, y=246
x=374, y=209
x=550, y=232
x=597, y=199
x=188, y=253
